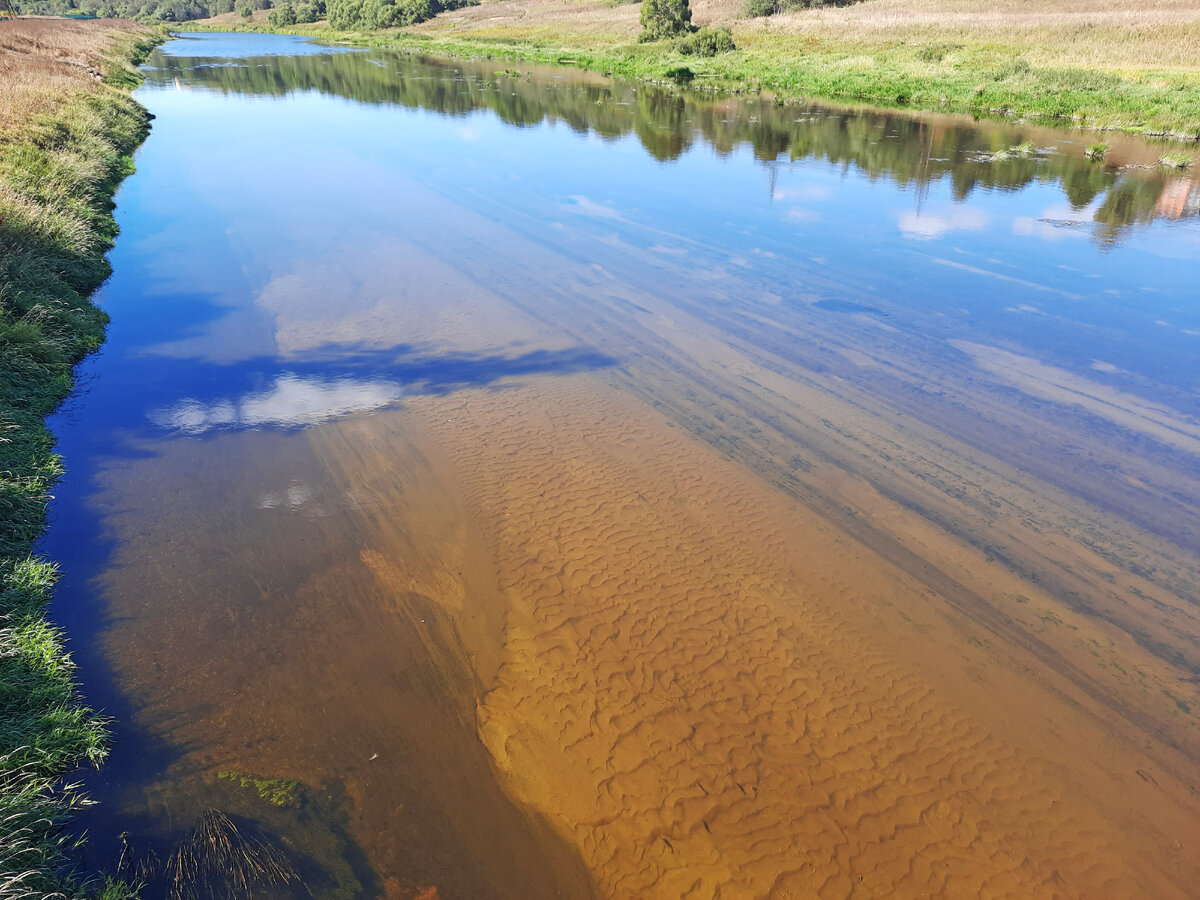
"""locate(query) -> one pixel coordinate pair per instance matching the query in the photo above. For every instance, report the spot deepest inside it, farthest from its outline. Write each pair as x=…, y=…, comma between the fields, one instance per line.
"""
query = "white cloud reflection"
x=929, y=225
x=291, y=401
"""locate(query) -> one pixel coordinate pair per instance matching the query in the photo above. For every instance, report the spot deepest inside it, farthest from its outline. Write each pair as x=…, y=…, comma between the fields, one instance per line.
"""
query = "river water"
x=511, y=482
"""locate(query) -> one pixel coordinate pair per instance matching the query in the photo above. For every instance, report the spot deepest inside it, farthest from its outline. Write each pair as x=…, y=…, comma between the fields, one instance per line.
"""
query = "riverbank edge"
x=57, y=180
x=998, y=84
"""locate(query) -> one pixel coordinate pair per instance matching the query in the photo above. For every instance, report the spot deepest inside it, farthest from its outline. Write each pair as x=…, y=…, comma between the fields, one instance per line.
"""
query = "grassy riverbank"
x=67, y=128
x=1093, y=62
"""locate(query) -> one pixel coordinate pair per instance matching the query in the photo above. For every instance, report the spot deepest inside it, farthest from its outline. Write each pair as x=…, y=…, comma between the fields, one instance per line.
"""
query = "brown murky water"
x=569, y=525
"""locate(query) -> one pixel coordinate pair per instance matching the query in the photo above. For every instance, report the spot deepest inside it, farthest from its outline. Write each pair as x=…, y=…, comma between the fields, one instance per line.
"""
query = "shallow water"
x=578, y=487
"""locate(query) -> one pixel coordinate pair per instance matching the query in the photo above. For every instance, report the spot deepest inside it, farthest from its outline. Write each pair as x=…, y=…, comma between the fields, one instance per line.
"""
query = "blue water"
x=285, y=186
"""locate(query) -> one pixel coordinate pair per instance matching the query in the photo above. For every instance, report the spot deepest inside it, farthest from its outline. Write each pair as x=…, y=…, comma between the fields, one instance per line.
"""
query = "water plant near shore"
x=219, y=860
x=1175, y=161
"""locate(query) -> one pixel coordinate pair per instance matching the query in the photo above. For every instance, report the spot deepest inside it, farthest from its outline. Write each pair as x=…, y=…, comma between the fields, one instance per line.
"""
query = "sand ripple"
x=686, y=693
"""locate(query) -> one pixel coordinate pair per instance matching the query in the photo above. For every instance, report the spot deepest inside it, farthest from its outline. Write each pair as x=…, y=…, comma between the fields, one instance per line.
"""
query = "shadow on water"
x=269, y=392
x=909, y=150
x=151, y=792
x=331, y=381
x=247, y=847
x=149, y=797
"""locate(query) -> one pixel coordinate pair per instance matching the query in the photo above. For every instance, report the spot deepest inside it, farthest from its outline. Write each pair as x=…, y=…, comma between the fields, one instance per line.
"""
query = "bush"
x=706, y=42
x=282, y=16
x=771, y=7
x=307, y=13
x=349, y=15
x=665, y=19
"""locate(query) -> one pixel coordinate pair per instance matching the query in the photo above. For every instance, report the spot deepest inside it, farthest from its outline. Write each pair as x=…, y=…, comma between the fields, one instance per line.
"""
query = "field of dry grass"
x=48, y=64
x=1096, y=33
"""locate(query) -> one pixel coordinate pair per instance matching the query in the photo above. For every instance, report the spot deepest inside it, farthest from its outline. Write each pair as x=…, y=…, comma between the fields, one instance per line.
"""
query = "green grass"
x=282, y=792
x=57, y=177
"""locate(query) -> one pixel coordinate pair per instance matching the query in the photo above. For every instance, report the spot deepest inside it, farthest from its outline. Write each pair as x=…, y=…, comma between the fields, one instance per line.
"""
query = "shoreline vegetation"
x=1073, y=63
x=68, y=128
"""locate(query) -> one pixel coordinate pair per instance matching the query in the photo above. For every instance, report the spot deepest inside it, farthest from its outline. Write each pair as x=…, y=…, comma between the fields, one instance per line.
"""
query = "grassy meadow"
x=1102, y=63
x=67, y=128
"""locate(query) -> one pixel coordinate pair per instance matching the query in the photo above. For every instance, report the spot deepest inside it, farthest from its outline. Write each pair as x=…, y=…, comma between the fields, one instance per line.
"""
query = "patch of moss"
x=282, y=792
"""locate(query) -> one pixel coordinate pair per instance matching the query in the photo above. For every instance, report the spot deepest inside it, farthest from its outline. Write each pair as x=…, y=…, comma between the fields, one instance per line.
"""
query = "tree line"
x=660, y=19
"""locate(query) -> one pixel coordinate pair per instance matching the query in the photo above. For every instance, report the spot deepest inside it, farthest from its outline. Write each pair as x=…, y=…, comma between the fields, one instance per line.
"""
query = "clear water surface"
x=272, y=222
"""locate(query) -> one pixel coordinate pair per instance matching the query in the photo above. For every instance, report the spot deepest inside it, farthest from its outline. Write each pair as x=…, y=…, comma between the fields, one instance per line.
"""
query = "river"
x=504, y=481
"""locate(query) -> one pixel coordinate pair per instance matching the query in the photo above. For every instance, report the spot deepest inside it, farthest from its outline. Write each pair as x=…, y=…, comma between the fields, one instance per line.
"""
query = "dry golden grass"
x=47, y=63
x=1106, y=34
x=1094, y=33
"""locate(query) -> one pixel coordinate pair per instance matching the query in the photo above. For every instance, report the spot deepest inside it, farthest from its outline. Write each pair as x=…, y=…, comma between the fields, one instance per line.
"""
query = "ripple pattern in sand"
x=685, y=694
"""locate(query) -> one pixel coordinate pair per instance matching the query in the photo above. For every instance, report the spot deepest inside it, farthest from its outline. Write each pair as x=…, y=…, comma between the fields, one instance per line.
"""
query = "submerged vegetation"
x=281, y=792
x=219, y=860
x=67, y=128
x=216, y=860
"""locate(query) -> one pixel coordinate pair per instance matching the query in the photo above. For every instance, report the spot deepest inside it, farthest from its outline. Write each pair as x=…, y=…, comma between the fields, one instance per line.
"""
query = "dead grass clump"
x=218, y=860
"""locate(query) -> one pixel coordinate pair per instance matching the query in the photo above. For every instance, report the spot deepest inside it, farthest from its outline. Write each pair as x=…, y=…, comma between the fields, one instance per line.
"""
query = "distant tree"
x=245, y=11
x=665, y=19
x=282, y=16
x=370, y=14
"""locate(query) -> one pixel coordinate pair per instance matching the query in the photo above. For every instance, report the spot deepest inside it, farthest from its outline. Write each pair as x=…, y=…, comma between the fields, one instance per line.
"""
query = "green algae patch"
x=284, y=793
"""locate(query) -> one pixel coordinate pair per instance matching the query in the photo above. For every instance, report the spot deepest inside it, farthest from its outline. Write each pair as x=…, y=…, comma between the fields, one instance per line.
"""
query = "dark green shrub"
x=681, y=75
x=665, y=19
x=706, y=42
x=307, y=13
x=282, y=16
x=771, y=7
x=350, y=15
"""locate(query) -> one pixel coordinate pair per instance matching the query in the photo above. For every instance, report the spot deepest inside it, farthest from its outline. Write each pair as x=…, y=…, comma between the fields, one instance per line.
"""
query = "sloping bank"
x=68, y=127
x=1134, y=72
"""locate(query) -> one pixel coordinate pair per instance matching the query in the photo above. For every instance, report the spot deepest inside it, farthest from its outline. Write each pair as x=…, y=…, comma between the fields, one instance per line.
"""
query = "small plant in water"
x=1175, y=160
x=1096, y=151
x=218, y=860
x=1023, y=150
